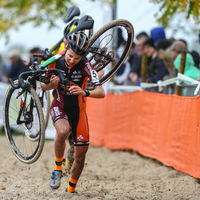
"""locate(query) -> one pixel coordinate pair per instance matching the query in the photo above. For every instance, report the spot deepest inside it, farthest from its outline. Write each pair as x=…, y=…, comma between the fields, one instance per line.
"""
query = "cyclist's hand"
x=54, y=81
x=75, y=89
x=46, y=55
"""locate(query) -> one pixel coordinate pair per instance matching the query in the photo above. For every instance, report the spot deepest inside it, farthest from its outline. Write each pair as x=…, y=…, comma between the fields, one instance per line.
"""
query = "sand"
x=107, y=175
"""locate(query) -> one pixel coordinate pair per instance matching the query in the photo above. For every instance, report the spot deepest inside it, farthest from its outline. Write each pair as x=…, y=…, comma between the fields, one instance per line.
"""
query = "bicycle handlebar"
x=25, y=84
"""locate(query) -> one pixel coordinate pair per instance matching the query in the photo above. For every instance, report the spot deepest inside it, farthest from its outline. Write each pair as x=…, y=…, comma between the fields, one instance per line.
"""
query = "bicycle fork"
x=23, y=113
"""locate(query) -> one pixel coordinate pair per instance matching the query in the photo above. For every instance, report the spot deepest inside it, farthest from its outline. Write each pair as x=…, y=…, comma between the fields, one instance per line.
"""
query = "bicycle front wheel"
x=25, y=129
x=110, y=46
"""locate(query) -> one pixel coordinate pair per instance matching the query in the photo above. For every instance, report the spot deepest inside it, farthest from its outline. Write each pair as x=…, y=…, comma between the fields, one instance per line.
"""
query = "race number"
x=94, y=76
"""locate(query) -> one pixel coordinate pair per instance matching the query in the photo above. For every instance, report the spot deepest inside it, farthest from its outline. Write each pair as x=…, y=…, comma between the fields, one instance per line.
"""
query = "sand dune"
x=107, y=175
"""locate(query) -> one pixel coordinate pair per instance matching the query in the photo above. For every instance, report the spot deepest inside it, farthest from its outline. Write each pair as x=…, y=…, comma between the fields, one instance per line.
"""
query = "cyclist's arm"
x=98, y=91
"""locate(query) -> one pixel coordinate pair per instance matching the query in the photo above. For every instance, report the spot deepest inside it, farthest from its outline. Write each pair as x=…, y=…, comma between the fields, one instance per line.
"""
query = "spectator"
x=3, y=71
x=190, y=69
x=142, y=34
x=17, y=65
x=195, y=54
x=196, y=58
x=184, y=41
x=157, y=34
x=161, y=47
x=156, y=69
x=136, y=59
x=121, y=76
x=35, y=50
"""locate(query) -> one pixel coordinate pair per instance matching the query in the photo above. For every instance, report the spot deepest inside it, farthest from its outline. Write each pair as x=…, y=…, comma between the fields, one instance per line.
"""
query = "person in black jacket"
x=156, y=69
x=136, y=59
x=17, y=65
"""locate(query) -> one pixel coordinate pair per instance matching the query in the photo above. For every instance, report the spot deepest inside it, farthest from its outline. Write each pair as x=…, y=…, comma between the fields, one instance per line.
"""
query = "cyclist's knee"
x=63, y=132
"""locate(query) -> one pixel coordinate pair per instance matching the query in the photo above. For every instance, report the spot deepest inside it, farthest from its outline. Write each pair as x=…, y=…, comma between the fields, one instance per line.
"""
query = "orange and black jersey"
x=77, y=75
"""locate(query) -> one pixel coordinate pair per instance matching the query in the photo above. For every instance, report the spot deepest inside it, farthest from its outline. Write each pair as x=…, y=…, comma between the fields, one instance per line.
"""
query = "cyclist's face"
x=72, y=58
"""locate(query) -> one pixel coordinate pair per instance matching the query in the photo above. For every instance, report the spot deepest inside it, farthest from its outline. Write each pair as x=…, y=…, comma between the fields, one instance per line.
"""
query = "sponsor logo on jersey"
x=76, y=72
x=88, y=68
x=52, y=113
x=56, y=111
x=76, y=76
x=58, y=96
x=80, y=137
x=76, y=79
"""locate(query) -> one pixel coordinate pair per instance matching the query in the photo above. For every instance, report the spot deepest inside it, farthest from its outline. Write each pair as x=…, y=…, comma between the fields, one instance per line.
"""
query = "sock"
x=72, y=185
x=58, y=165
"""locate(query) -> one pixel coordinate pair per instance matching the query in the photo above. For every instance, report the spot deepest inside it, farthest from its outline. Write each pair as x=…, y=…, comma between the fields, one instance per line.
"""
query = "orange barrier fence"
x=164, y=127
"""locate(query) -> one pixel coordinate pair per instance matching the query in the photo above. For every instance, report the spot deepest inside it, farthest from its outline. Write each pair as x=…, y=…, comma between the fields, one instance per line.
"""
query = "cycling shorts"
x=77, y=118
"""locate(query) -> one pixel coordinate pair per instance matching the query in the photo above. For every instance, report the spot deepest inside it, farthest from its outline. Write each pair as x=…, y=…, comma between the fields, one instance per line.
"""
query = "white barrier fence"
x=178, y=80
x=3, y=89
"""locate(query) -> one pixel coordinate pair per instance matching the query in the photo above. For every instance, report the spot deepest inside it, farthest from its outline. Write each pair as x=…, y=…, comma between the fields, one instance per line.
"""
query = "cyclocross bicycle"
x=23, y=115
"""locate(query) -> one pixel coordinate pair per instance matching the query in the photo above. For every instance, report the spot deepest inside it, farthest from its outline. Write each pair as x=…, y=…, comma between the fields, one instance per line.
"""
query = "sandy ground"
x=107, y=175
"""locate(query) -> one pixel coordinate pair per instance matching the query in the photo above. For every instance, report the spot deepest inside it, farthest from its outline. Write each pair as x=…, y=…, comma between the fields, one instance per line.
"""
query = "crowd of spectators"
x=163, y=58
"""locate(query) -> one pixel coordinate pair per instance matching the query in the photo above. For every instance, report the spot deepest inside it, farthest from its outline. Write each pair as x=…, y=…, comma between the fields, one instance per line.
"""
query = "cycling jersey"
x=77, y=75
x=71, y=106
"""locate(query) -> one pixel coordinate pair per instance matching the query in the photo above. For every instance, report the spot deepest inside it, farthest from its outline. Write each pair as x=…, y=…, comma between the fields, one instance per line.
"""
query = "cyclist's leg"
x=62, y=130
x=80, y=134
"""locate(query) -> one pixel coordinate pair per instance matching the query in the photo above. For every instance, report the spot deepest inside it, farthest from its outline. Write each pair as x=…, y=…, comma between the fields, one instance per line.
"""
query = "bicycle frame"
x=22, y=111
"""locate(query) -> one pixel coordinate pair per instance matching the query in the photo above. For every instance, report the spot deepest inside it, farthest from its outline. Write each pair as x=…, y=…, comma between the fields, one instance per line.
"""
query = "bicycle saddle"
x=72, y=12
x=84, y=23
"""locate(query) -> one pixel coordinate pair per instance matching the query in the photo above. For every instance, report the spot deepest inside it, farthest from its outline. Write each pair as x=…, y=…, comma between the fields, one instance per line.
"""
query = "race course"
x=107, y=174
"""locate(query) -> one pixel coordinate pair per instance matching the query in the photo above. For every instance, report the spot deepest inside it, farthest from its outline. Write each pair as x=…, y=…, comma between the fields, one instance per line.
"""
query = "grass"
x=2, y=133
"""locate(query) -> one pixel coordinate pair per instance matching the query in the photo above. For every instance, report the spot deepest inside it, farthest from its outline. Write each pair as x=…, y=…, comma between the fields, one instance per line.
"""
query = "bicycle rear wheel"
x=26, y=139
x=110, y=46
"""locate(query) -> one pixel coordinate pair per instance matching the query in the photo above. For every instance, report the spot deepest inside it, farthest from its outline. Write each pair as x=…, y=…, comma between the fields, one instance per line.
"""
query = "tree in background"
x=14, y=13
x=169, y=9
